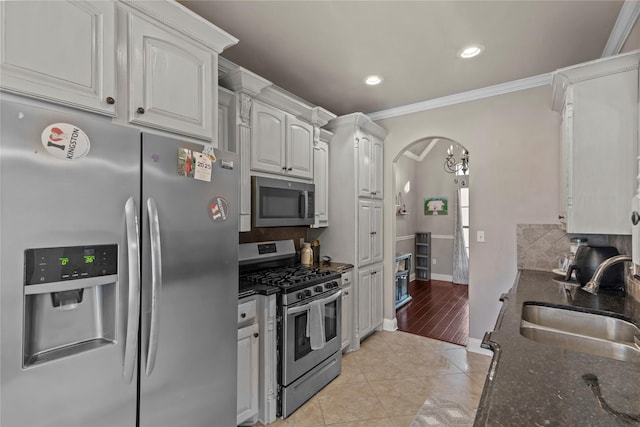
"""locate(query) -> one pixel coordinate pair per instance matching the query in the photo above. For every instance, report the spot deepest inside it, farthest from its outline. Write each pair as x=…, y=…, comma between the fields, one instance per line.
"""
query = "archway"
x=431, y=182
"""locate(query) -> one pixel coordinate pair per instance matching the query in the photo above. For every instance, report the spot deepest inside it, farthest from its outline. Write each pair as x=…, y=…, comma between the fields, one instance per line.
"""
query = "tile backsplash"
x=540, y=245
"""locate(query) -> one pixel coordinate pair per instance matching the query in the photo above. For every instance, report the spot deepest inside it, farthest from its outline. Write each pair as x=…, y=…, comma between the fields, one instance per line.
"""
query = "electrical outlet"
x=434, y=261
x=480, y=237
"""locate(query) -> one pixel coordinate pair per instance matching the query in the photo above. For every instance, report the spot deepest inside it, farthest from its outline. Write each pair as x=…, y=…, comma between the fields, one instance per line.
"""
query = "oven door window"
x=330, y=320
x=302, y=341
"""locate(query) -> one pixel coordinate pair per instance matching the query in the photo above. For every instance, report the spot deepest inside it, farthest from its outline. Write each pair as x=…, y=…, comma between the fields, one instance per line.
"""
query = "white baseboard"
x=390, y=325
x=473, y=345
x=412, y=277
x=443, y=277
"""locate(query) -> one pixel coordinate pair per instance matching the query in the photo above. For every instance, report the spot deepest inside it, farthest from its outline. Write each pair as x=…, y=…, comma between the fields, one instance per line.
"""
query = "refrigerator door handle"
x=156, y=283
x=133, y=311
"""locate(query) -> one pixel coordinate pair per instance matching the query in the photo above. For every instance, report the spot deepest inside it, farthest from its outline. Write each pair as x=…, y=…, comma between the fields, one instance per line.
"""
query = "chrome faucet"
x=593, y=285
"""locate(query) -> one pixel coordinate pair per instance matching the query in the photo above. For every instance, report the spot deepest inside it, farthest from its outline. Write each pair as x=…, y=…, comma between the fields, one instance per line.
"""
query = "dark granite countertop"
x=337, y=267
x=248, y=289
x=533, y=384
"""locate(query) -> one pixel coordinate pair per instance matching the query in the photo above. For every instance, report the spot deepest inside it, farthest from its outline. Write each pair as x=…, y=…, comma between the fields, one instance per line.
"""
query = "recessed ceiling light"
x=373, y=80
x=470, y=51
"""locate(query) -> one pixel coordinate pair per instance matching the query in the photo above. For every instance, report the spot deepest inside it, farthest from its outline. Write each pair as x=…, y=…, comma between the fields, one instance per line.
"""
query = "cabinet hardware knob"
x=560, y=217
x=284, y=168
x=346, y=293
x=110, y=100
x=140, y=110
x=243, y=315
x=290, y=169
x=635, y=217
x=256, y=335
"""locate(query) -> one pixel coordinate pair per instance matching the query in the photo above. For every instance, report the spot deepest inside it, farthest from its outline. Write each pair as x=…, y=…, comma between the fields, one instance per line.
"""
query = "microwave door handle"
x=302, y=205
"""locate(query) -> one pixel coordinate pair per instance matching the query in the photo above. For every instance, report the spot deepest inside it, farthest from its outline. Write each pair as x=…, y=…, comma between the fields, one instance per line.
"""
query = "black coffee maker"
x=587, y=260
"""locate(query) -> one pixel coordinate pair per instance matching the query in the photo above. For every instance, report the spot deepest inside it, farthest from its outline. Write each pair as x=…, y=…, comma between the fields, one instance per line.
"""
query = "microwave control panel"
x=46, y=265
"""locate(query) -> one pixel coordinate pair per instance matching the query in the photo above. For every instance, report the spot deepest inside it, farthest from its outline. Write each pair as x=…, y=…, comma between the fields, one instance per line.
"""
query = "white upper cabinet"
x=150, y=63
x=267, y=138
x=280, y=143
x=370, y=166
x=62, y=52
x=171, y=80
x=299, y=148
x=321, y=181
x=599, y=103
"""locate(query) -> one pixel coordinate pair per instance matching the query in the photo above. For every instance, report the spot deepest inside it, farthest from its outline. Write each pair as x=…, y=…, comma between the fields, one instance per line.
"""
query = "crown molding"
x=627, y=18
x=459, y=98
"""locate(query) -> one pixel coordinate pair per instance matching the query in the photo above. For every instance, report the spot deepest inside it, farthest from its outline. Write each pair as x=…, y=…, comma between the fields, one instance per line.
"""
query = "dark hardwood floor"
x=438, y=310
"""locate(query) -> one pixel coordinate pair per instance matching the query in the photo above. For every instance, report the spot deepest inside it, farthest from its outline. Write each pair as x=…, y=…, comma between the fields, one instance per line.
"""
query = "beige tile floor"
x=385, y=383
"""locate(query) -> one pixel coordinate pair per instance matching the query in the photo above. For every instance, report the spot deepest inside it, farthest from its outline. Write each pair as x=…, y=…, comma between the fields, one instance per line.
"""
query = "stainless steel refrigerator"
x=118, y=274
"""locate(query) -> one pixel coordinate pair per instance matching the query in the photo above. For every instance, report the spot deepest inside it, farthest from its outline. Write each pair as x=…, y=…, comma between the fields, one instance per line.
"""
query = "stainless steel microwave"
x=281, y=203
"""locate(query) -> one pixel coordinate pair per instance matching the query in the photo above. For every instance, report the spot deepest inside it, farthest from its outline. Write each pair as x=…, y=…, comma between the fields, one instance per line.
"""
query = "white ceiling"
x=322, y=50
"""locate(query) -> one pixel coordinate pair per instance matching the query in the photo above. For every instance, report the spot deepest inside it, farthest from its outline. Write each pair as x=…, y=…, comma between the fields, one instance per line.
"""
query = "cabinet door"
x=364, y=165
x=605, y=138
x=267, y=139
x=365, y=236
x=321, y=181
x=376, y=231
x=171, y=80
x=377, y=168
x=299, y=148
x=60, y=51
x=376, y=296
x=347, y=319
x=248, y=346
x=364, y=303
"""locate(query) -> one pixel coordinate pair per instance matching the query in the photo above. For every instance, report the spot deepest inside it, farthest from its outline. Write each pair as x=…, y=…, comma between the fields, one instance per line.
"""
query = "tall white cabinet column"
x=355, y=235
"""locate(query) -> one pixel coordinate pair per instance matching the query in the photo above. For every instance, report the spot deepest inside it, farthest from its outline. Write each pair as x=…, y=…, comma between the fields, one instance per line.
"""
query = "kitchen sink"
x=590, y=333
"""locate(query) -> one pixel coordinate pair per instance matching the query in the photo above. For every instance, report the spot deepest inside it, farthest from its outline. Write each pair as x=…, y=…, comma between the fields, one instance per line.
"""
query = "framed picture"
x=436, y=206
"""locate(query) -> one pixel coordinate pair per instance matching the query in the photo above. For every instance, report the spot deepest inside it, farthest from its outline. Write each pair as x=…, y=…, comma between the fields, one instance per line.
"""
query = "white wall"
x=513, y=140
x=405, y=171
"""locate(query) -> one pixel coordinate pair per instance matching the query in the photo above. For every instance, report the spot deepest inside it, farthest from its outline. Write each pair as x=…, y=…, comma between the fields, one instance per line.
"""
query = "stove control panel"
x=310, y=292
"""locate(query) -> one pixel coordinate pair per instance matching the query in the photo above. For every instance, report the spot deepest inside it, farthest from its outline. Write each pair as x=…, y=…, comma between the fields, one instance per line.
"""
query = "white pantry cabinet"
x=356, y=232
x=63, y=52
x=370, y=289
x=280, y=143
x=599, y=104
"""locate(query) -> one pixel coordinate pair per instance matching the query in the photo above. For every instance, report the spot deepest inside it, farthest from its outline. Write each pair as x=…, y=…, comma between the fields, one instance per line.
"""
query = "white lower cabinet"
x=370, y=283
x=257, y=382
x=248, y=346
x=248, y=360
x=347, y=309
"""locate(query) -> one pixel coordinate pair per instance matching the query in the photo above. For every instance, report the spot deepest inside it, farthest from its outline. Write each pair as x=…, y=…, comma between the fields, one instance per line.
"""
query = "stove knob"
x=335, y=284
x=318, y=288
x=300, y=295
x=307, y=292
x=328, y=285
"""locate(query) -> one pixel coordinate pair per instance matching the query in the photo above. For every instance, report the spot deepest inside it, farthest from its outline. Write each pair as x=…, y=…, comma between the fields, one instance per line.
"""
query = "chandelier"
x=453, y=165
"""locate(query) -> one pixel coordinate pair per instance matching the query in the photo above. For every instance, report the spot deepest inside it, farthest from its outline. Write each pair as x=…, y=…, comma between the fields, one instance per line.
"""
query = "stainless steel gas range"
x=308, y=319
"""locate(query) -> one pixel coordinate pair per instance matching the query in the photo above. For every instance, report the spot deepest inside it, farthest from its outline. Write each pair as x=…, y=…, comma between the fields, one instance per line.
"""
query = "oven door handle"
x=307, y=306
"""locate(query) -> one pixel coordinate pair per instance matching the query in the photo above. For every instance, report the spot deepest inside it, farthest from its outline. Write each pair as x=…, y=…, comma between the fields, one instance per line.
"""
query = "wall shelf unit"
x=423, y=256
